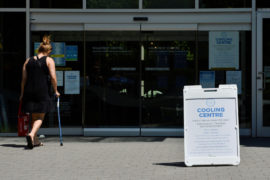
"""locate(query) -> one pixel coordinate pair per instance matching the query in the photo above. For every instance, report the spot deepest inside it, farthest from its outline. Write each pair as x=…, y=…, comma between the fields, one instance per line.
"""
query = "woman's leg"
x=36, y=140
x=37, y=119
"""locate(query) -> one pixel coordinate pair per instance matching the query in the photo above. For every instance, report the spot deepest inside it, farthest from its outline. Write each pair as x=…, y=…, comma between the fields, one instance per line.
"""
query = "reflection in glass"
x=61, y=4
x=168, y=4
x=225, y=4
x=262, y=3
x=12, y=4
x=112, y=4
x=112, y=94
x=169, y=65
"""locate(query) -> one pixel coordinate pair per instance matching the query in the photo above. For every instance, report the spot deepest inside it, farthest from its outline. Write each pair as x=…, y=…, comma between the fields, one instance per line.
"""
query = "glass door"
x=168, y=65
x=112, y=80
x=135, y=79
x=263, y=75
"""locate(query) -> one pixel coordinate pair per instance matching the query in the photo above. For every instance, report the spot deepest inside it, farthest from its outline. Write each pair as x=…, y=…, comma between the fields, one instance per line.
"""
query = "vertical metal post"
x=197, y=57
x=140, y=76
x=254, y=69
x=27, y=29
x=140, y=4
x=84, y=4
x=197, y=5
x=84, y=79
x=1, y=56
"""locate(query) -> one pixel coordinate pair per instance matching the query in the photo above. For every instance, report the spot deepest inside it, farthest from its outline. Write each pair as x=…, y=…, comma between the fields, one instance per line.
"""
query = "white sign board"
x=211, y=125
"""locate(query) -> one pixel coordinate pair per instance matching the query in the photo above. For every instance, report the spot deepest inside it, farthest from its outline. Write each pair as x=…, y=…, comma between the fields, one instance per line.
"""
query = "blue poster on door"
x=207, y=79
x=72, y=53
x=58, y=53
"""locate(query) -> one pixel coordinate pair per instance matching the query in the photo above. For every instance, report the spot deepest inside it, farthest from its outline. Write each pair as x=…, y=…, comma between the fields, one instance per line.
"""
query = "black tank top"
x=37, y=86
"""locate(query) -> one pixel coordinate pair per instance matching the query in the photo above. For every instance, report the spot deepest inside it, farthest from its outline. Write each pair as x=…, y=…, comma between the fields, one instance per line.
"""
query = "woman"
x=38, y=74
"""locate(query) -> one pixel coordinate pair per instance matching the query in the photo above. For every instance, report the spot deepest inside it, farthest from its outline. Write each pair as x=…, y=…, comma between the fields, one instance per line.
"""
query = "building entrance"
x=135, y=79
x=130, y=83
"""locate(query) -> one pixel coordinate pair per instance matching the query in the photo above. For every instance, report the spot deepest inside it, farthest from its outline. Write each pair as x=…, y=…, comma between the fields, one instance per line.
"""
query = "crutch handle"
x=58, y=102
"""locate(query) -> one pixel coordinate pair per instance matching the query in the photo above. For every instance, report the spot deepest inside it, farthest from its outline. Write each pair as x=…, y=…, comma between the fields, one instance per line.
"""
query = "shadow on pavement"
x=104, y=139
x=14, y=146
x=175, y=164
x=255, y=142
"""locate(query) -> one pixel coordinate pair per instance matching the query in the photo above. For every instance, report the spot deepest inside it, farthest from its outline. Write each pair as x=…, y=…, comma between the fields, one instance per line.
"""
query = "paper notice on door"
x=72, y=82
x=59, y=77
x=207, y=79
x=224, y=49
x=235, y=77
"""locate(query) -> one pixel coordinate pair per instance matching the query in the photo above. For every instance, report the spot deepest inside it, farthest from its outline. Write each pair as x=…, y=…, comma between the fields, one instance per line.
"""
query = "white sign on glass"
x=235, y=77
x=72, y=82
x=207, y=79
x=224, y=49
x=59, y=77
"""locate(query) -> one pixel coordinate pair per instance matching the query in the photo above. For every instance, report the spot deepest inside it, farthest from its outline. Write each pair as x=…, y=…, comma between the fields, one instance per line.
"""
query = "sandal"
x=38, y=144
x=29, y=142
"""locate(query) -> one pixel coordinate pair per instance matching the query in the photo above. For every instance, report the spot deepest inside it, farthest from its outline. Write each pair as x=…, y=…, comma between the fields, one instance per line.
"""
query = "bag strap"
x=20, y=109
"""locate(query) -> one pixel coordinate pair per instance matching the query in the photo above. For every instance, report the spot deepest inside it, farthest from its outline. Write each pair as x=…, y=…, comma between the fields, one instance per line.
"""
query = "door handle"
x=263, y=79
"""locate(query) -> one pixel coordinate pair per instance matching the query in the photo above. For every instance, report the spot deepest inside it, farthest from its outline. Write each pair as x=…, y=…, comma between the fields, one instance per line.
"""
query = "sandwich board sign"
x=211, y=128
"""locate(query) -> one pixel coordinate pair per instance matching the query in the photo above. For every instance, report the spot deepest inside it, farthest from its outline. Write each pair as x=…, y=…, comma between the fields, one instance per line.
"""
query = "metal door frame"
x=261, y=131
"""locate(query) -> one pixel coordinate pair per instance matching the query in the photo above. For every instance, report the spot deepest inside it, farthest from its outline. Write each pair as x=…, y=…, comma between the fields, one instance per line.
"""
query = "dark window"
x=61, y=4
x=12, y=57
x=225, y=4
x=263, y=3
x=113, y=4
x=168, y=4
x=12, y=4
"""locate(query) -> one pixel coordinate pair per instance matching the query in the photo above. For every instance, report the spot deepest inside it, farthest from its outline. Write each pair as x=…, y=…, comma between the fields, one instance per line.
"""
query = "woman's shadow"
x=15, y=146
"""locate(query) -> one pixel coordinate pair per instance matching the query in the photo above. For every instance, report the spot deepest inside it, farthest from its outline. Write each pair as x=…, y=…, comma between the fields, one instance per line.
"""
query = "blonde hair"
x=45, y=46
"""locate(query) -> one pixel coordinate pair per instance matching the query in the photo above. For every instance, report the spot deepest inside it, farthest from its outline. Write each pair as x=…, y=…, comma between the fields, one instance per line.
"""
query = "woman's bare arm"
x=51, y=67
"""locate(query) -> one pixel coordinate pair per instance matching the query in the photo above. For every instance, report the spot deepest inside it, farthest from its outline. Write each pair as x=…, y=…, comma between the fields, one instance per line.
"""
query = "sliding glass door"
x=135, y=79
x=168, y=65
x=112, y=79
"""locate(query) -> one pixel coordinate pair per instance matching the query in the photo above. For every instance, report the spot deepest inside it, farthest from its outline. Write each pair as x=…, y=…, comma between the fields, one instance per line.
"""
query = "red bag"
x=23, y=122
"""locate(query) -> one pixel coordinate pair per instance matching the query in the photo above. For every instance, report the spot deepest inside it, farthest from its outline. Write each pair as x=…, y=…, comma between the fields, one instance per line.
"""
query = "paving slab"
x=127, y=158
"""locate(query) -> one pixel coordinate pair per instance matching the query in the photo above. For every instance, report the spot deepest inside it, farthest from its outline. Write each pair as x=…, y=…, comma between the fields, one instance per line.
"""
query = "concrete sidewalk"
x=149, y=158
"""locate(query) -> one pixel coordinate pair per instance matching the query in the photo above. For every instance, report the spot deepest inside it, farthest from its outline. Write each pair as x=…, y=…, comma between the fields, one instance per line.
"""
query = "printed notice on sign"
x=211, y=127
x=224, y=49
x=72, y=82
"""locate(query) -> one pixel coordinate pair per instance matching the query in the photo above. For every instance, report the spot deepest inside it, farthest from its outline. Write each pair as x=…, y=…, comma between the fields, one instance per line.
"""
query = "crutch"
x=59, y=121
